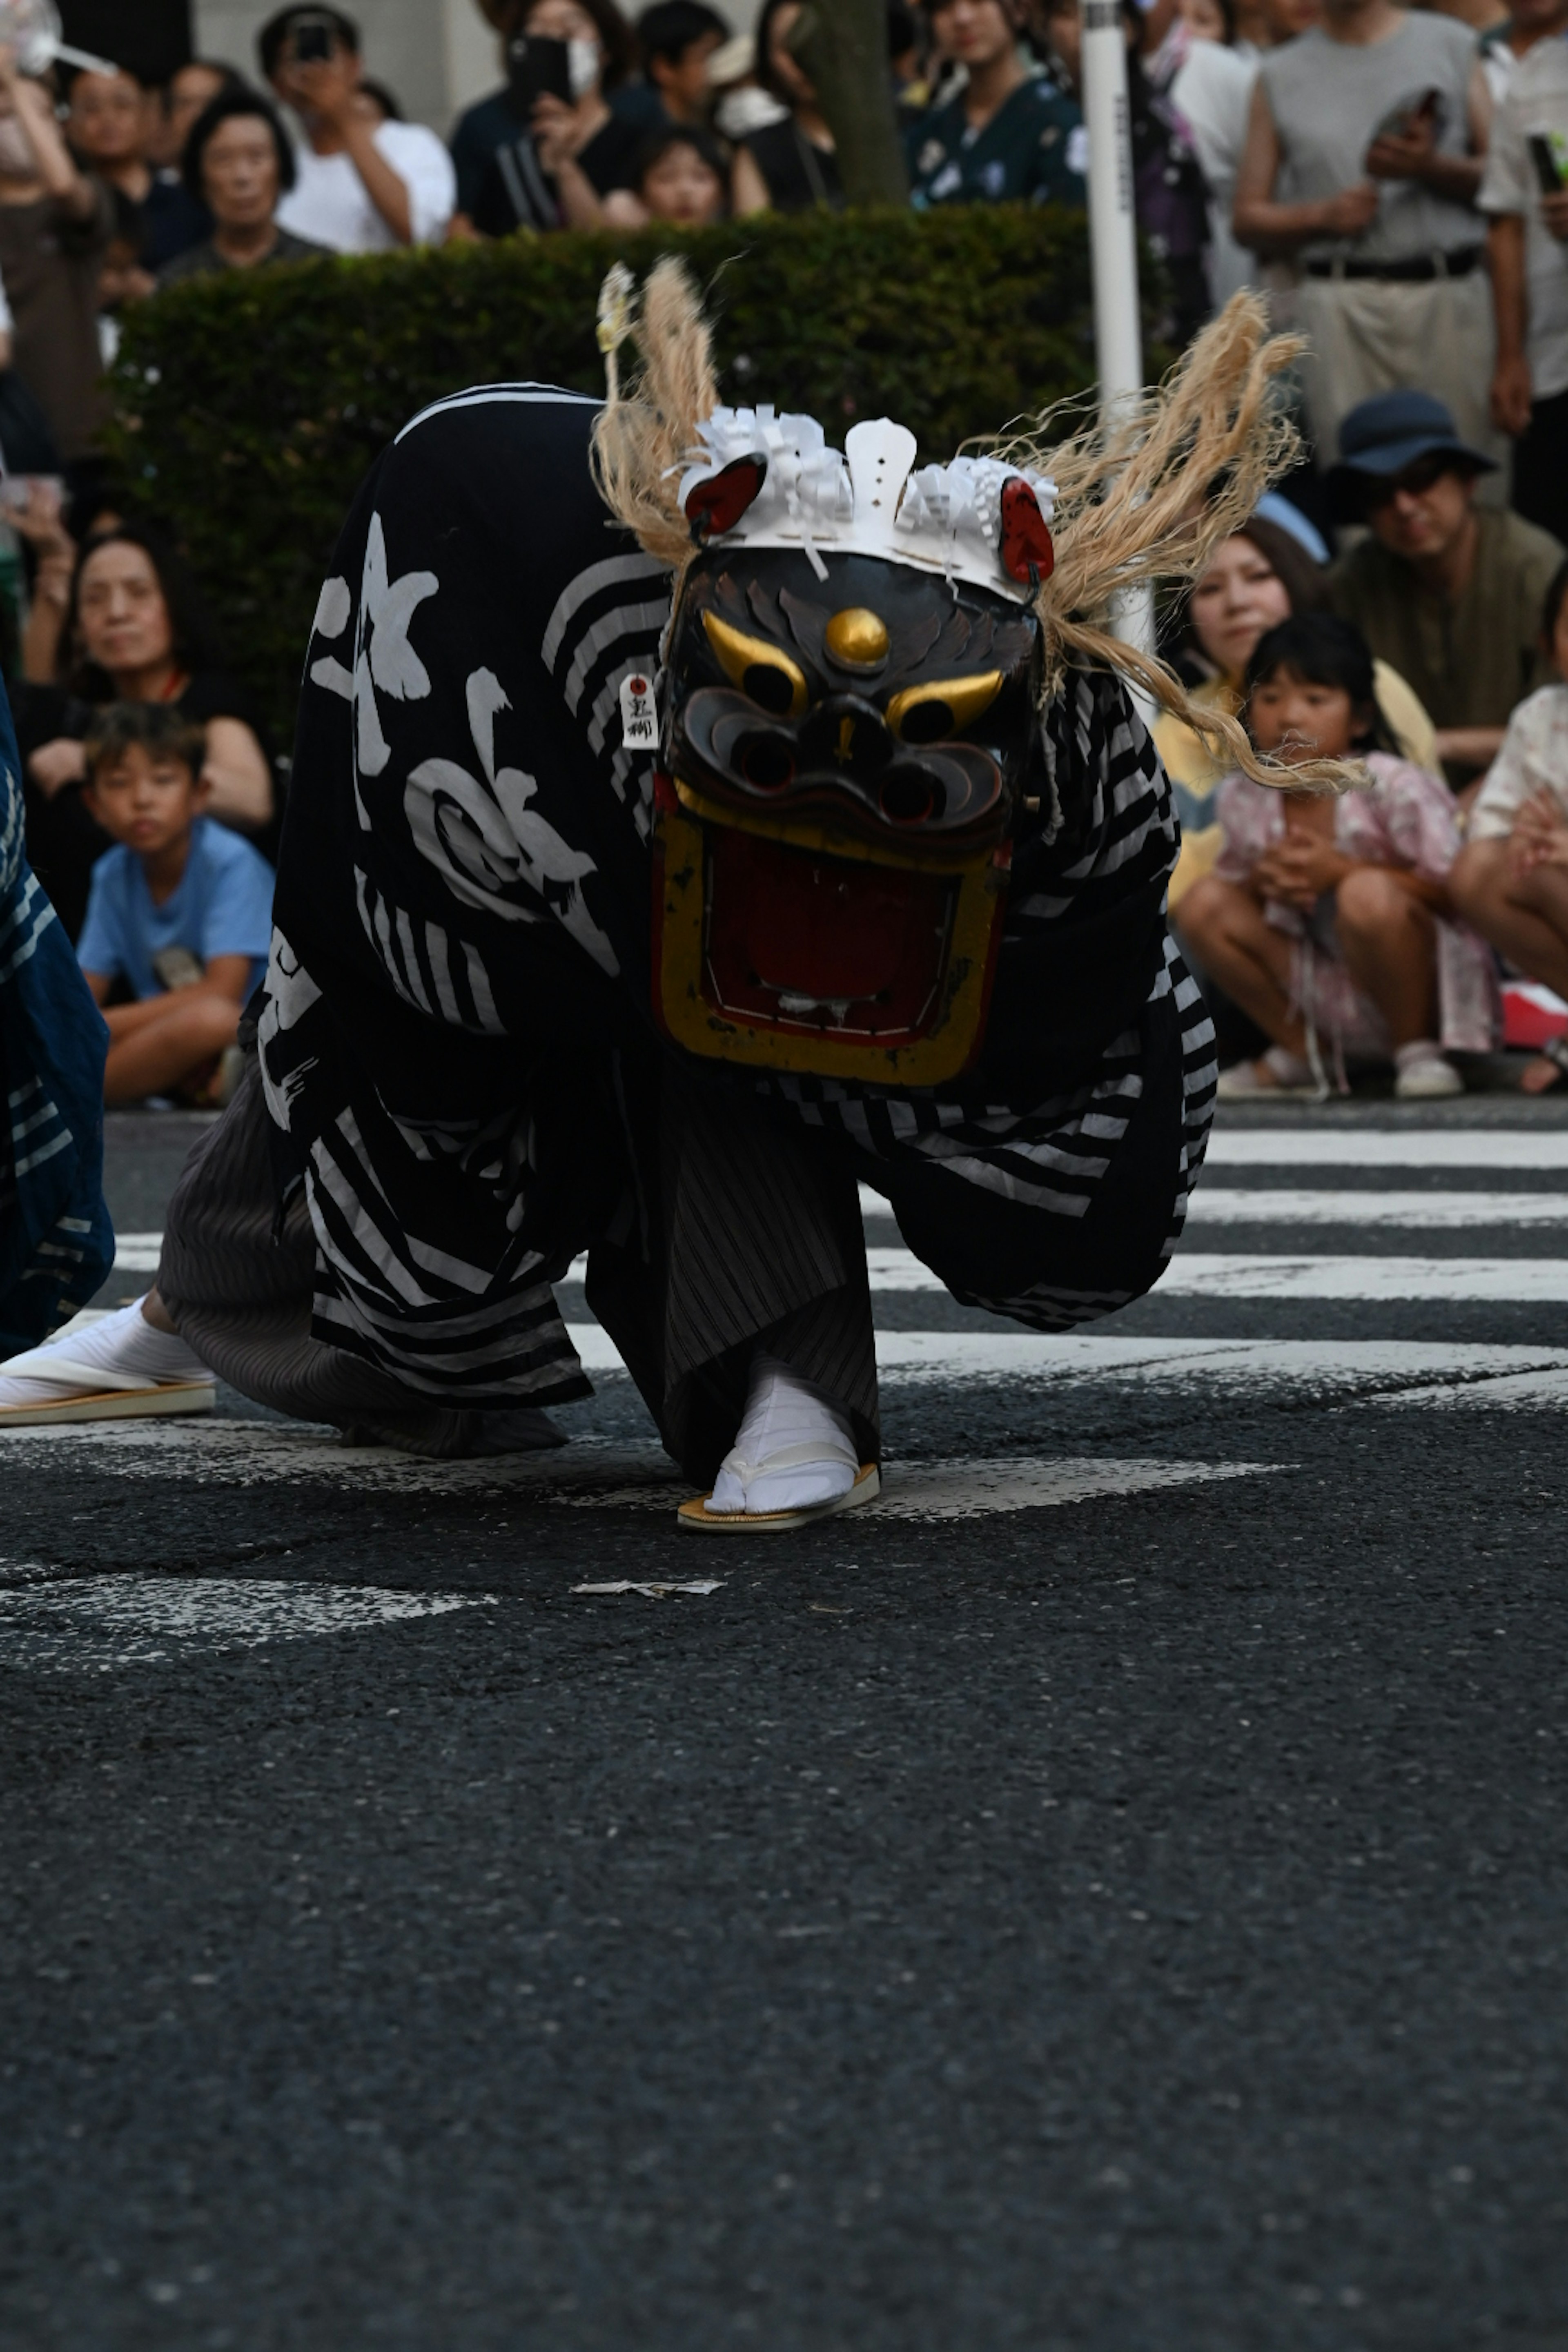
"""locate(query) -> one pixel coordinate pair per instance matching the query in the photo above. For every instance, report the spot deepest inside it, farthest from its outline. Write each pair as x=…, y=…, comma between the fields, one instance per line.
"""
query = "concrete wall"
x=436, y=55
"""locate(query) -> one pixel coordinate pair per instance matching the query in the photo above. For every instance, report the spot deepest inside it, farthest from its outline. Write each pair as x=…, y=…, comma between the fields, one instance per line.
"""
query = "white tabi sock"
x=119, y=1351
x=793, y=1448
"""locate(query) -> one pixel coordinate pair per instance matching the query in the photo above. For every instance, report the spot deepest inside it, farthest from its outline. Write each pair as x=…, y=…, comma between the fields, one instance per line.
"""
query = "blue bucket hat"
x=1381, y=436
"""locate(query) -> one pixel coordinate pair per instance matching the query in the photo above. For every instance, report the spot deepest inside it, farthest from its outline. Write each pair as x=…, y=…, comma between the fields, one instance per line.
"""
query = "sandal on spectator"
x=1276, y=1076
x=1423, y=1072
x=103, y=1368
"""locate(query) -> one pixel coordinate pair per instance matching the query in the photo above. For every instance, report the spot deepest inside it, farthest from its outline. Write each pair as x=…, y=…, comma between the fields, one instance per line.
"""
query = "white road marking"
x=269, y=1453
x=963, y=1489
x=1224, y=1204
x=98, y=1623
x=1368, y=1147
x=1525, y=1281
x=240, y=1452
x=588, y=1475
x=137, y=1253
x=1252, y=1367
x=1536, y=1388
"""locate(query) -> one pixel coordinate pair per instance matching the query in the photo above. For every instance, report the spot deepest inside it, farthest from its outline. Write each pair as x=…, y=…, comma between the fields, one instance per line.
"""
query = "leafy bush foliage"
x=249, y=404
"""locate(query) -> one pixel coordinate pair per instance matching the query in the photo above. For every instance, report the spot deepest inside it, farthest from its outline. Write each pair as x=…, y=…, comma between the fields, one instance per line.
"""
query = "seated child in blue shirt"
x=179, y=910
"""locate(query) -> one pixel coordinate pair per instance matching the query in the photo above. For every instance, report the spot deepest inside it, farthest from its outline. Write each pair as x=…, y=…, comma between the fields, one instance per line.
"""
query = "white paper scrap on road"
x=1380, y=1147
x=98, y=1623
x=654, y=1591
x=1224, y=1204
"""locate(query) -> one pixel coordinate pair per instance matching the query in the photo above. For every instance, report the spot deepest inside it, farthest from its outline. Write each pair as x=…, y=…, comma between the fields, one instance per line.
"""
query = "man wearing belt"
x=1364, y=158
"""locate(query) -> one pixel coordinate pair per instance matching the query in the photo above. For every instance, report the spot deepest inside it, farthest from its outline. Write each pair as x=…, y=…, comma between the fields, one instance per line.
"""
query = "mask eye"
x=927, y=714
x=763, y=674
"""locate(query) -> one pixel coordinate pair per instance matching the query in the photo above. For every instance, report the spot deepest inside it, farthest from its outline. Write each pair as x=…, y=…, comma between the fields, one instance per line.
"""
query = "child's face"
x=1297, y=720
x=680, y=187
x=145, y=799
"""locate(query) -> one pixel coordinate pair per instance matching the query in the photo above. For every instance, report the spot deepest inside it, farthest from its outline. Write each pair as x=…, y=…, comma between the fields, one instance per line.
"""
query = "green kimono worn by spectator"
x=1033, y=149
x=1010, y=135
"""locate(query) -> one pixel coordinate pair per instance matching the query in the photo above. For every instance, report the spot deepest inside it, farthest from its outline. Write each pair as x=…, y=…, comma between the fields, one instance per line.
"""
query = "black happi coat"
x=458, y=1010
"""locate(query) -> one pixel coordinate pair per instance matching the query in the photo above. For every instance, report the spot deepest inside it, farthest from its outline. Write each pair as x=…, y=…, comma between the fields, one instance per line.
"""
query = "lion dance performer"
x=693, y=822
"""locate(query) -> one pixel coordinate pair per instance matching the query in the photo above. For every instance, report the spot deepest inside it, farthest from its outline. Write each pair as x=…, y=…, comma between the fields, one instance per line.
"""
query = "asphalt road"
x=1113, y=1896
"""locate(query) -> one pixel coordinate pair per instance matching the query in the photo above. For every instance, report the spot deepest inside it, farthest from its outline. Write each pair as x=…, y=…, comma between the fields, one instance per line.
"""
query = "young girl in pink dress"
x=1328, y=919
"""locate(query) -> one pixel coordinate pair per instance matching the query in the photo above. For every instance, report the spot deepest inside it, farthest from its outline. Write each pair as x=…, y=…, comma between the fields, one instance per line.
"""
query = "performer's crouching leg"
x=236, y=1285
x=738, y=1296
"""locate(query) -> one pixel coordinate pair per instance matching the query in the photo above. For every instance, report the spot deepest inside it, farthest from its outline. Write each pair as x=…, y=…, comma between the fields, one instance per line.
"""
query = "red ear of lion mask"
x=717, y=505
x=1027, y=554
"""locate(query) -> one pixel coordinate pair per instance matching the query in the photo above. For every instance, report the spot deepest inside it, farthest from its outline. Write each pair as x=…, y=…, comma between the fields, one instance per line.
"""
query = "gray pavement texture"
x=1134, y=1925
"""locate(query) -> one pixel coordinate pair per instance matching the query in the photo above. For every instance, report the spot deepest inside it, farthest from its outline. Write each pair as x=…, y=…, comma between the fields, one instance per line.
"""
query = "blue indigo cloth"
x=56, y=1245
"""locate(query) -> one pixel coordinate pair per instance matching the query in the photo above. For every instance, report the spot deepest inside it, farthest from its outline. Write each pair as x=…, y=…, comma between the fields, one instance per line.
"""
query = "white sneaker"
x=794, y=1450
x=1425, y=1074
x=114, y=1361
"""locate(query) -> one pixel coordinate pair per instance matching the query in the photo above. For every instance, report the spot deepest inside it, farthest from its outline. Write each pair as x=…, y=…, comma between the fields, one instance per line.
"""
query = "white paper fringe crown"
x=865, y=500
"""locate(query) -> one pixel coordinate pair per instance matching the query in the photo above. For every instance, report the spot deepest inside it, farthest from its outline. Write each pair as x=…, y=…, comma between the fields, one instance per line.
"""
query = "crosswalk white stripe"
x=1224, y=1204
x=1523, y=1281
x=143, y=1616
x=1008, y=1353
x=1512, y=1147
x=1539, y=1281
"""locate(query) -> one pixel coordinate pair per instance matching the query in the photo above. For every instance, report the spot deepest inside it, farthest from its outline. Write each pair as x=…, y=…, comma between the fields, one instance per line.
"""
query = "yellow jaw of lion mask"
x=846, y=738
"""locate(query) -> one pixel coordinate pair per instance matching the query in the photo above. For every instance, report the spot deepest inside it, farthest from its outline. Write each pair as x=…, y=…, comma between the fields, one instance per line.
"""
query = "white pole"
x=1113, y=246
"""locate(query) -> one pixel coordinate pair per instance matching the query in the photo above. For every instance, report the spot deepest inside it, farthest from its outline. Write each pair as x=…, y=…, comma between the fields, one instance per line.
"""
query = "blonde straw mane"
x=1142, y=501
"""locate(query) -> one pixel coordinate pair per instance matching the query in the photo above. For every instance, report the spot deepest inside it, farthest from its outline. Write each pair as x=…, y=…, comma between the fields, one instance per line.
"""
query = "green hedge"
x=249, y=405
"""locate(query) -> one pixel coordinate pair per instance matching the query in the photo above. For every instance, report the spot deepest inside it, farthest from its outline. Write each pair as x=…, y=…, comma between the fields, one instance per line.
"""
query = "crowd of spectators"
x=1392, y=179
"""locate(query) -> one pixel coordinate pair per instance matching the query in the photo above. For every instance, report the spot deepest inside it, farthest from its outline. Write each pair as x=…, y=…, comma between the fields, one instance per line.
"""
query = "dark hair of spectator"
x=84, y=511
x=765, y=40
x=190, y=630
x=228, y=108
x=903, y=29
x=383, y=97
x=67, y=77
x=229, y=78
x=669, y=28
x=1551, y=610
x=274, y=34
x=1320, y=649
x=658, y=144
x=616, y=35
x=152, y=726
x=1304, y=581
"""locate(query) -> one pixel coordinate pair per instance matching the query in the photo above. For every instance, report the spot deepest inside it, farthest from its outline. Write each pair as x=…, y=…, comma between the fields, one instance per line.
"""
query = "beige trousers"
x=1368, y=335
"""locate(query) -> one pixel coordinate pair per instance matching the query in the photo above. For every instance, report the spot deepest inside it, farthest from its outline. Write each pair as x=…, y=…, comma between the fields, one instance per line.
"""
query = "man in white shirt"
x=1527, y=238
x=363, y=185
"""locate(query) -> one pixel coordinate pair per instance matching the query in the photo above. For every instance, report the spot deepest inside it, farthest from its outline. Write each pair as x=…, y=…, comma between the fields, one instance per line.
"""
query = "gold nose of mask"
x=856, y=638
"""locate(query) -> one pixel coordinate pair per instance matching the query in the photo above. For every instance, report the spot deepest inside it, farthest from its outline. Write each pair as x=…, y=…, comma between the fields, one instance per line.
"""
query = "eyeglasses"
x=1415, y=479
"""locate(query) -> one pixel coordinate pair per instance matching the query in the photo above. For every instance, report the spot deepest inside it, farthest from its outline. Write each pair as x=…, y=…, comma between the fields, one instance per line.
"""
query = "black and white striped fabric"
x=457, y=1005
